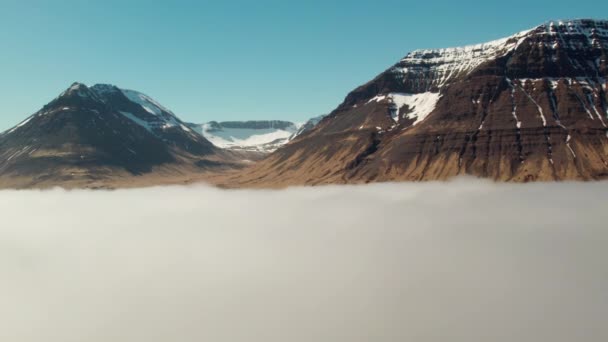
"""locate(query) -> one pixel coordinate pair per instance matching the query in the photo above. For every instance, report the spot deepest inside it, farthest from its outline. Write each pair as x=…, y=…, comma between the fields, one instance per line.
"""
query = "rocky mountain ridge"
x=529, y=107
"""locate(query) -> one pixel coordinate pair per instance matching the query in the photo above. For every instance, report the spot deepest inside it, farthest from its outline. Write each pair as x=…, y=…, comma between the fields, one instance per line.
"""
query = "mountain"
x=307, y=126
x=530, y=107
x=93, y=135
x=253, y=136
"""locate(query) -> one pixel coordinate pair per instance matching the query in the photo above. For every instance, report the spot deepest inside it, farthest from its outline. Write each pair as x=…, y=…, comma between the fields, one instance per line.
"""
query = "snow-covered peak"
x=587, y=27
x=152, y=116
x=146, y=102
x=160, y=117
x=260, y=136
x=137, y=107
x=449, y=63
x=446, y=65
x=475, y=50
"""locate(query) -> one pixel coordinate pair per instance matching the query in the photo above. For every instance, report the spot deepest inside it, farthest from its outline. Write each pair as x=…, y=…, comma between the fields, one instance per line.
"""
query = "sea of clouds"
x=462, y=261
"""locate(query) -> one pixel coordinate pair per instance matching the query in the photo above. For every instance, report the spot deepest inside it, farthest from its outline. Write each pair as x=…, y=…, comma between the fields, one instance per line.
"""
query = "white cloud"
x=465, y=261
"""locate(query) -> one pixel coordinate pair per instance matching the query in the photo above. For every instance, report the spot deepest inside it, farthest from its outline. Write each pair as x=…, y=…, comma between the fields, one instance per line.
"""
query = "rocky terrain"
x=94, y=136
x=530, y=107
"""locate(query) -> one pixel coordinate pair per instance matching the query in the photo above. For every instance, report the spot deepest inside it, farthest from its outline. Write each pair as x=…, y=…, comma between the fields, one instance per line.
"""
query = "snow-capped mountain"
x=529, y=107
x=155, y=118
x=263, y=136
x=258, y=136
x=532, y=106
x=92, y=133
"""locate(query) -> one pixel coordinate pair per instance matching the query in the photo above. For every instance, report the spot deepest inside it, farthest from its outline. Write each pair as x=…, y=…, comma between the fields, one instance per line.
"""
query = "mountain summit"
x=529, y=107
x=92, y=134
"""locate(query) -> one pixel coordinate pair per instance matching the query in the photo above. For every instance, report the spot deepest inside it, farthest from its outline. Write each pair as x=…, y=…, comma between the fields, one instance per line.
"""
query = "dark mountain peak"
x=78, y=89
x=77, y=85
x=78, y=95
x=89, y=133
x=104, y=89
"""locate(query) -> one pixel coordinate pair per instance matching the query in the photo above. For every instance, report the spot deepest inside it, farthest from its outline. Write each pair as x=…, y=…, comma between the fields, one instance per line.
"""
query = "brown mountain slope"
x=531, y=107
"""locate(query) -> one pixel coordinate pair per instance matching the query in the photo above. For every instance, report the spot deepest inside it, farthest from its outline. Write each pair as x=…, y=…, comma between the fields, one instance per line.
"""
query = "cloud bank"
x=465, y=261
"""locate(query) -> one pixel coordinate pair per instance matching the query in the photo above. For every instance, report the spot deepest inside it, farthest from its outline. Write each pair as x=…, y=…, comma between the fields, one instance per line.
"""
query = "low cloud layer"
x=465, y=261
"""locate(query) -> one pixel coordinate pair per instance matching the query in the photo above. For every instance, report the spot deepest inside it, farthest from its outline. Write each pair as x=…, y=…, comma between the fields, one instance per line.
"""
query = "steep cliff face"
x=529, y=107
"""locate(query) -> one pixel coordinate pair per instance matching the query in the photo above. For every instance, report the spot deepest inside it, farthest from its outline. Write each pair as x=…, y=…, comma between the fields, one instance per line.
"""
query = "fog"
x=464, y=261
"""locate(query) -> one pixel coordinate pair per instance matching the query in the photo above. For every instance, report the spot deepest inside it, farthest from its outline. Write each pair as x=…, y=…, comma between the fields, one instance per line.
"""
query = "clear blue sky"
x=230, y=60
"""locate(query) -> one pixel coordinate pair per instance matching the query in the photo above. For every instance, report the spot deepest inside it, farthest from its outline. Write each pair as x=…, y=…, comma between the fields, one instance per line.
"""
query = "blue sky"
x=237, y=60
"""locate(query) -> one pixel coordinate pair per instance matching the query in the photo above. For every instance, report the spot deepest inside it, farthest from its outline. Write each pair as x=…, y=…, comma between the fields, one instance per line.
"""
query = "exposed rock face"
x=530, y=107
x=92, y=134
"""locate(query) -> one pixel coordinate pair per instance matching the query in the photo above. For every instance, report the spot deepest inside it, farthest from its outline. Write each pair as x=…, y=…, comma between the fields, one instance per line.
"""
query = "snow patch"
x=138, y=121
x=569, y=147
x=540, y=109
x=20, y=125
x=447, y=64
x=146, y=102
x=419, y=105
x=164, y=118
x=514, y=109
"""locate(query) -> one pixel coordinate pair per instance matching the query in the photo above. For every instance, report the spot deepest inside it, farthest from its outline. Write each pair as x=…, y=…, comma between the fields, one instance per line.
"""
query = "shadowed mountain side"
x=100, y=135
